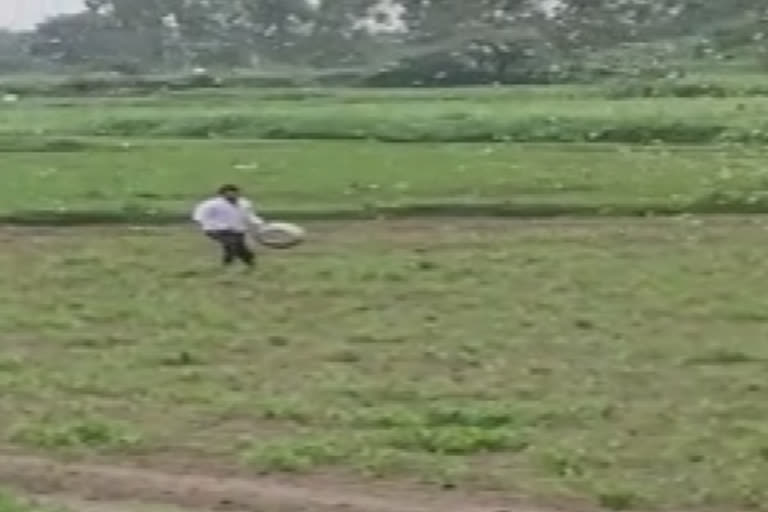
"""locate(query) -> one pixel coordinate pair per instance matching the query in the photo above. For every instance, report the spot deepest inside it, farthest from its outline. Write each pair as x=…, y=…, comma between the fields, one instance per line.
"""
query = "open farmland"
x=614, y=362
x=436, y=345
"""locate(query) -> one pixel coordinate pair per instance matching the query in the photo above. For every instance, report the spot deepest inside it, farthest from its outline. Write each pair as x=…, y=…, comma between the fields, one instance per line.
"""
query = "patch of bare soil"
x=103, y=487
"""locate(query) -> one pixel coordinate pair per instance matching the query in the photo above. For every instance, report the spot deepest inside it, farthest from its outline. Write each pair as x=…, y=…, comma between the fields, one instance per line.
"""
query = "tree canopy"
x=497, y=40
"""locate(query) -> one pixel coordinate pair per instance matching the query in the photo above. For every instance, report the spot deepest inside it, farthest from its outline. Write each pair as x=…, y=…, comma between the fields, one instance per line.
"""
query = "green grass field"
x=155, y=181
x=616, y=362
x=519, y=115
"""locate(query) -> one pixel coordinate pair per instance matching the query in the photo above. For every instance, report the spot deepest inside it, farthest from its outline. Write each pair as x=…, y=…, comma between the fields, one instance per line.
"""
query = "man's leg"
x=228, y=246
x=242, y=250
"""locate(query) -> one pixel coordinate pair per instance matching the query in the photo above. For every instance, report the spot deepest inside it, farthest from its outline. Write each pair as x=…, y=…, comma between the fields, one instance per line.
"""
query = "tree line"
x=401, y=41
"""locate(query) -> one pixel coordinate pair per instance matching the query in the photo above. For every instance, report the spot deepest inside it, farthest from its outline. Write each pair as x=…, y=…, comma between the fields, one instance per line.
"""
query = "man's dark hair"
x=224, y=189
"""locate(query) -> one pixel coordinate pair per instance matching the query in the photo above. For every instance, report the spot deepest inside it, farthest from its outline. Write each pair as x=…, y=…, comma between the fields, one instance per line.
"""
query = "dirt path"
x=66, y=503
x=121, y=486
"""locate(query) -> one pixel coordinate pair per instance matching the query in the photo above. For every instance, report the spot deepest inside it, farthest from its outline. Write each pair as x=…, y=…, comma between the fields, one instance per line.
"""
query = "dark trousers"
x=234, y=247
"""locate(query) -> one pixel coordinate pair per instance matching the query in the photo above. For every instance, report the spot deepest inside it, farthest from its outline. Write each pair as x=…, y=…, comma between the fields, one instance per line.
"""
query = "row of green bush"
x=718, y=202
x=685, y=89
x=534, y=129
x=110, y=85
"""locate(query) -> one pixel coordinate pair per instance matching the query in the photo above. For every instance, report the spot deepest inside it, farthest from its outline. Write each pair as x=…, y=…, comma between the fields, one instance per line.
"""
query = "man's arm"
x=200, y=212
x=253, y=217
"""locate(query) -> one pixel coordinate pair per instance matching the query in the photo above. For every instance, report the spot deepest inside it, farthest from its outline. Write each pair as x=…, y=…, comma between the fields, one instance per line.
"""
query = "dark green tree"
x=91, y=40
x=239, y=32
x=14, y=52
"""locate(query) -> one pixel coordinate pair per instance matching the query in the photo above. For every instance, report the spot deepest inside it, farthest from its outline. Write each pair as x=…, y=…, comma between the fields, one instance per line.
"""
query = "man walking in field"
x=226, y=219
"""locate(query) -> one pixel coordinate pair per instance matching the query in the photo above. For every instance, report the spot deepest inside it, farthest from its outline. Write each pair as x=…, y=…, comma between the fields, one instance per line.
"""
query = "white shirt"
x=218, y=214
